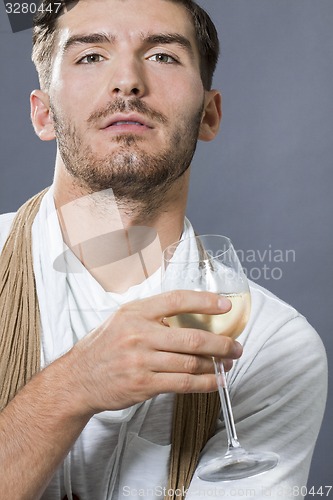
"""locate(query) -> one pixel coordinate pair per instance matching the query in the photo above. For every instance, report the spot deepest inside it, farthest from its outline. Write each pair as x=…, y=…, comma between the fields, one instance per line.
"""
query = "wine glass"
x=210, y=263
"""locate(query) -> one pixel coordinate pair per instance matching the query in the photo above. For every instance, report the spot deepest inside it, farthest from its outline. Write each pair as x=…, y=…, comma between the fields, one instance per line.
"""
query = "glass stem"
x=226, y=405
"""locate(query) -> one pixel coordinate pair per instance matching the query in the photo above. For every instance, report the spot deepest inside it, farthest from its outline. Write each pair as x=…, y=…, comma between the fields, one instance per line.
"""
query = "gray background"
x=266, y=181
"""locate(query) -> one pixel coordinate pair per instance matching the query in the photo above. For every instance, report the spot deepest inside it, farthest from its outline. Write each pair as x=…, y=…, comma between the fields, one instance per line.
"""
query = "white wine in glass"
x=230, y=324
x=210, y=263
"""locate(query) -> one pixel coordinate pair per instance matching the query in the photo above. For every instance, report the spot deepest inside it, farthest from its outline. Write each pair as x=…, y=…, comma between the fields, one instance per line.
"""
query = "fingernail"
x=238, y=349
x=224, y=303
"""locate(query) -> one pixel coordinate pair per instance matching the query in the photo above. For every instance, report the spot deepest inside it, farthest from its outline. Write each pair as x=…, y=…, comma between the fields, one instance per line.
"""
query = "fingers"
x=185, y=383
x=182, y=363
x=132, y=356
x=198, y=342
x=143, y=321
x=179, y=301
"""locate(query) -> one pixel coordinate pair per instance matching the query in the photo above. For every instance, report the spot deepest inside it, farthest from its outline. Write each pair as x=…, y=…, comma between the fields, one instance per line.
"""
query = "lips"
x=115, y=124
x=121, y=120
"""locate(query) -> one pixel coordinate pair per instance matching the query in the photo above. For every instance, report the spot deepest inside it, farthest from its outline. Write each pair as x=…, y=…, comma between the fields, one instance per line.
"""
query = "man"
x=126, y=92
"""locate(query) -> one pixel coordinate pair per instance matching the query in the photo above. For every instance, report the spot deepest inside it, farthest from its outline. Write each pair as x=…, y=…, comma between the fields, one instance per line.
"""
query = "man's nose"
x=127, y=79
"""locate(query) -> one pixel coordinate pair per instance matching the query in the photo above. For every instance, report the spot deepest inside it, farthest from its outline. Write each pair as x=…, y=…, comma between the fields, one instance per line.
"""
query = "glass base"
x=237, y=464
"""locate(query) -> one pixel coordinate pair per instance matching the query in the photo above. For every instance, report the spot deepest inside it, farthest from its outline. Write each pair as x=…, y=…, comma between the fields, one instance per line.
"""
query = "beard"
x=138, y=179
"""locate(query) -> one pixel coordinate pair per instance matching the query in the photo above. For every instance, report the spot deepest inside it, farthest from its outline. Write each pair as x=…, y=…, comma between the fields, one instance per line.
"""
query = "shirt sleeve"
x=278, y=392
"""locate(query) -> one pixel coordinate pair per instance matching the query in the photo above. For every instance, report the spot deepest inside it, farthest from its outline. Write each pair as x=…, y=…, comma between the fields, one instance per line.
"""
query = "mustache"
x=120, y=105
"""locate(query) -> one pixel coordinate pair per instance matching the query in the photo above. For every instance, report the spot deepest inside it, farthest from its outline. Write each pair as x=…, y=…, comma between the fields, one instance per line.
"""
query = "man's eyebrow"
x=87, y=39
x=169, y=38
x=149, y=39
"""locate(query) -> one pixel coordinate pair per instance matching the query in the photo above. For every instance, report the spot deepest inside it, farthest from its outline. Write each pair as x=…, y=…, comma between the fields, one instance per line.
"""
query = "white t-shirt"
x=278, y=392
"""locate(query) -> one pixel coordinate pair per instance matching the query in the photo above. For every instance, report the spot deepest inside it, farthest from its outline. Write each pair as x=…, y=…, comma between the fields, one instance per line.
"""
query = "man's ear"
x=211, y=116
x=41, y=115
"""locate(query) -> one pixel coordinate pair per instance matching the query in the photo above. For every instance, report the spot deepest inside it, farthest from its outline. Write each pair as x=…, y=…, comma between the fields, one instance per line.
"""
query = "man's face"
x=126, y=94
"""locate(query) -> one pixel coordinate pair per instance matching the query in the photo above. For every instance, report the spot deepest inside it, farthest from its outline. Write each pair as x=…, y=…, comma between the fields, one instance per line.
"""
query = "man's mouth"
x=121, y=121
x=115, y=124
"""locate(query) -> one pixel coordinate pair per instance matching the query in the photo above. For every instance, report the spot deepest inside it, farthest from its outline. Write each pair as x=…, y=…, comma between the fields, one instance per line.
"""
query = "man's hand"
x=131, y=357
x=134, y=356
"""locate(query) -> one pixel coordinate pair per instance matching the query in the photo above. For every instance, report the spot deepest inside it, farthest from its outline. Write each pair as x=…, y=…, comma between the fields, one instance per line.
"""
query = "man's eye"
x=91, y=59
x=163, y=58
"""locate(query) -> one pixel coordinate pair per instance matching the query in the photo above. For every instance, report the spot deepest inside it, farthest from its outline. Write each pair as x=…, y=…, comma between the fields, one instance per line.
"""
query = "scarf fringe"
x=19, y=313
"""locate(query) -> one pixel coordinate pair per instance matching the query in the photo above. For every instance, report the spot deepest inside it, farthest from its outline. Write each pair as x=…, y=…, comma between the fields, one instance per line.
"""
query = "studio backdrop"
x=266, y=181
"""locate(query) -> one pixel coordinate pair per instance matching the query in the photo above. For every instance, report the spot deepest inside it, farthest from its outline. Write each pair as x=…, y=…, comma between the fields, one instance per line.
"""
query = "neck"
x=111, y=236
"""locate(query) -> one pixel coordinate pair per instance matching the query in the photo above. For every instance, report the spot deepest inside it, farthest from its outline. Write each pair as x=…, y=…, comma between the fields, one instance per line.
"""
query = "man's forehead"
x=127, y=14
x=127, y=21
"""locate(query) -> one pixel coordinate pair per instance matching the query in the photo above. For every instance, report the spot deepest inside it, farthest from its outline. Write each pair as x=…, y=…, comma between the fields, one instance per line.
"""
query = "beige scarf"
x=195, y=415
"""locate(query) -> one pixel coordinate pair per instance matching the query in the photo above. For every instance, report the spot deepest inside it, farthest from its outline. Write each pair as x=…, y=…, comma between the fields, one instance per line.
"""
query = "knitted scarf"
x=195, y=415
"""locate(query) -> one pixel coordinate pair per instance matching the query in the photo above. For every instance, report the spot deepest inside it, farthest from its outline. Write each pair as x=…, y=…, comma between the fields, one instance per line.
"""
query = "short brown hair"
x=45, y=27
